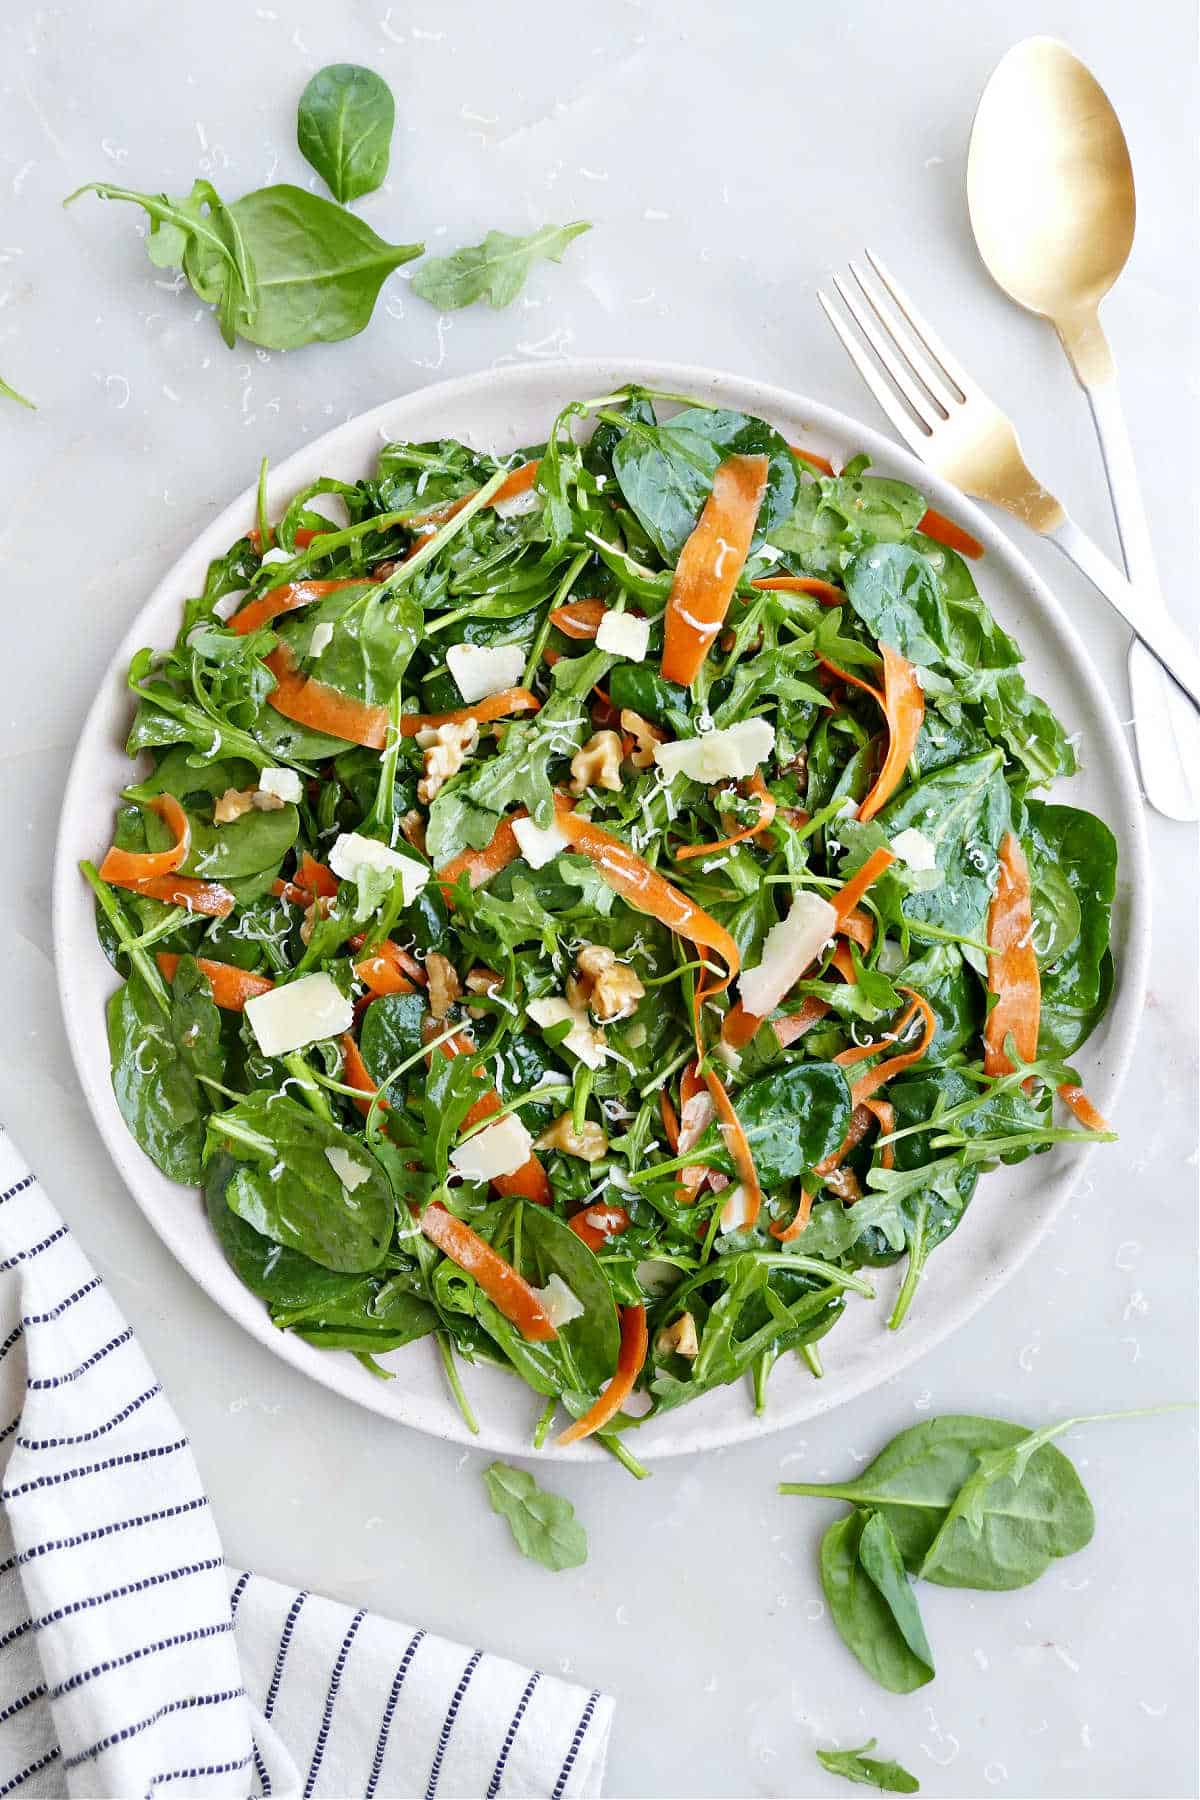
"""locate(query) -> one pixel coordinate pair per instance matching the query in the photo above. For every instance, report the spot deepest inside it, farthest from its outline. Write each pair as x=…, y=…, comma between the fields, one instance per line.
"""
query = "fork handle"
x=1168, y=733
x=1156, y=630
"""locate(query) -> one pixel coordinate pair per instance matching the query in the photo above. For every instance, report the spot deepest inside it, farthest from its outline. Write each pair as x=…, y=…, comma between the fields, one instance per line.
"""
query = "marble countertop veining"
x=730, y=156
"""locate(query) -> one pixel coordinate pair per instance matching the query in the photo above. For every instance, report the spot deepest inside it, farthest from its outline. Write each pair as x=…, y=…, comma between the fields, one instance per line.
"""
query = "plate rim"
x=338, y=1371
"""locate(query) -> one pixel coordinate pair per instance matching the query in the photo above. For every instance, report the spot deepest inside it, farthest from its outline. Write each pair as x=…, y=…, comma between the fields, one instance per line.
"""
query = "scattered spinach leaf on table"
x=344, y=129
x=543, y=1525
x=880, y=1636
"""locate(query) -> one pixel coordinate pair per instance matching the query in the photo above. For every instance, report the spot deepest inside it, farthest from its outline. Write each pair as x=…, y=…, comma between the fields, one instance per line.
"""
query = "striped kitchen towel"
x=133, y=1663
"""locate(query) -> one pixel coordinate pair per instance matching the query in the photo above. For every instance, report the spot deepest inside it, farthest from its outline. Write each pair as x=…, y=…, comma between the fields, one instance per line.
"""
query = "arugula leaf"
x=495, y=270
x=869, y=1771
x=864, y=1615
x=344, y=129
x=10, y=393
x=543, y=1525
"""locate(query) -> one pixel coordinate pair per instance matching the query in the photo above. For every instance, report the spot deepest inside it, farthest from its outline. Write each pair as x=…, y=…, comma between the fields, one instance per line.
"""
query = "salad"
x=592, y=906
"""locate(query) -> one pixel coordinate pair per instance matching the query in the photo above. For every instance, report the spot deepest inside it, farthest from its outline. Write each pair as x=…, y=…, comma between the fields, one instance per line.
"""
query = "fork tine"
x=926, y=405
x=916, y=435
x=943, y=393
x=924, y=332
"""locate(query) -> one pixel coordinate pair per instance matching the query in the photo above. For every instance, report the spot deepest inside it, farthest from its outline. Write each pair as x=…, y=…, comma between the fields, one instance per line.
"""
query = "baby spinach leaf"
x=288, y=1190
x=344, y=129
x=869, y=1771
x=543, y=1525
x=792, y=1118
x=594, y=1338
x=964, y=810
x=915, y=1480
x=246, y=846
x=880, y=1557
x=643, y=690
x=898, y=597
x=1071, y=850
x=495, y=270
x=390, y=1035
x=862, y=1614
x=666, y=471
x=372, y=643
x=10, y=393
x=281, y=1277
x=157, y=1059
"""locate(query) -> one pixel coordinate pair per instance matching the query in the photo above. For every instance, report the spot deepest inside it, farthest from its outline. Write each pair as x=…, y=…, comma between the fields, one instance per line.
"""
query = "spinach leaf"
x=643, y=690
x=288, y=1188
x=1073, y=869
x=495, y=270
x=965, y=810
x=792, y=1118
x=834, y=513
x=666, y=471
x=157, y=1061
x=898, y=597
x=390, y=1035
x=916, y=1479
x=552, y=1248
x=543, y=1525
x=244, y=847
x=869, y=1771
x=372, y=643
x=863, y=1615
x=281, y=1277
x=344, y=129
x=880, y=1557
x=10, y=393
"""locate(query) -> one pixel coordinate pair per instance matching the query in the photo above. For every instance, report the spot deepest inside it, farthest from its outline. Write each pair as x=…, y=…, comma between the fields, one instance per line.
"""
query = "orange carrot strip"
x=635, y=1341
x=313, y=881
x=810, y=456
x=129, y=868
x=389, y=969
x=579, y=618
x=496, y=706
x=710, y=564
x=870, y=1083
x=1081, y=1106
x=945, y=531
x=848, y=896
x=784, y=1234
x=356, y=1075
x=480, y=865
x=597, y=1224
x=824, y=591
x=285, y=599
x=520, y=479
x=208, y=897
x=766, y=813
x=512, y=1295
x=904, y=709
x=885, y=1116
x=231, y=986
x=794, y=1025
x=858, y=926
x=1013, y=974
x=314, y=703
x=696, y=1110
x=530, y=1181
x=855, y=681
x=302, y=537
x=670, y=1119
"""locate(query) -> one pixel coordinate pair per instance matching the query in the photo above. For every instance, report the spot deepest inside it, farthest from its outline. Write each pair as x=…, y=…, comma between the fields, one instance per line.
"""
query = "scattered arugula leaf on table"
x=495, y=270
x=869, y=1771
x=543, y=1525
x=10, y=393
x=344, y=129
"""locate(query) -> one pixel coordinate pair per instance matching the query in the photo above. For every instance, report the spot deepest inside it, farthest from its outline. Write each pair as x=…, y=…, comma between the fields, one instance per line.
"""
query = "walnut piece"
x=232, y=804
x=444, y=985
x=446, y=748
x=608, y=987
x=844, y=1183
x=589, y=1145
x=678, y=1339
x=598, y=764
x=412, y=828
x=644, y=735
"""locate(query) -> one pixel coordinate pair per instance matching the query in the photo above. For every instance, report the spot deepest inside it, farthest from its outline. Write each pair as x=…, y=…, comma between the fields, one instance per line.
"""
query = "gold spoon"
x=1051, y=198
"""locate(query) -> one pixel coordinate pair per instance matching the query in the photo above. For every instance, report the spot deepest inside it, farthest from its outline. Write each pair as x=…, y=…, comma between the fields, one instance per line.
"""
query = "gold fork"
x=947, y=420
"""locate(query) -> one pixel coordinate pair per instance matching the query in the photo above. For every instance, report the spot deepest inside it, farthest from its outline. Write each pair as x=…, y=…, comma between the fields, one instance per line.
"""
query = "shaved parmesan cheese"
x=273, y=556
x=483, y=669
x=735, y=1214
x=352, y=852
x=623, y=635
x=299, y=1013
x=789, y=948
x=914, y=848
x=228, y=604
x=351, y=1174
x=583, y=1040
x=498, y=1149
x=718, y=755
x=283, y=783
x=321, y=638
x=538, y=846
x=519, y=505
x=559, y=1304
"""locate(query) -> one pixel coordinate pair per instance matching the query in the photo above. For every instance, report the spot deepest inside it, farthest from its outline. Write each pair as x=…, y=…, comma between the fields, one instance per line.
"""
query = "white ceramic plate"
x=1012, y=1208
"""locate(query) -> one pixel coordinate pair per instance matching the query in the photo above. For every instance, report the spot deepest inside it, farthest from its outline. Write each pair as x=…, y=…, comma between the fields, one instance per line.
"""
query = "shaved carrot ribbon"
x=1081, y=1106
x=130, y=868
x=884, y=1114
x=496, y=706
x=710, y=565
x=595, y=1225
x=695, y=1113
x=313, y=881
x=1013, y=975
x=389, y=969
x=518, y=482
x=635, y=1341
x=904, y=709
x=302, y=537
x=936, y=525
x=824, y=591
x=207, y=897
x=870, y=1083
x=507, y=1290
x=766, y=813
x=323, y=708
x=579, y=619
x=356, y=1075
x=285, y=599
x=480, y=865
x=231, y=986
x=810, y=456
x=848, y=896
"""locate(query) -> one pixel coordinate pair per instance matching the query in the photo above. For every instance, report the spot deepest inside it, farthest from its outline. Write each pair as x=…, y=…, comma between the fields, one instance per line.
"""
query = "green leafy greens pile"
x=538, y=1000
x=284, y=267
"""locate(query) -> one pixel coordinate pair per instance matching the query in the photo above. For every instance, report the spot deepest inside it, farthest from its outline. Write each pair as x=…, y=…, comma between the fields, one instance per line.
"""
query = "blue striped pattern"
x=133, y=1661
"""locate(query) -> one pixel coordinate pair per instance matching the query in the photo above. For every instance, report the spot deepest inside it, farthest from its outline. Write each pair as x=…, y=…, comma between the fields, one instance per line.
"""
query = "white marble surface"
x=729, y=157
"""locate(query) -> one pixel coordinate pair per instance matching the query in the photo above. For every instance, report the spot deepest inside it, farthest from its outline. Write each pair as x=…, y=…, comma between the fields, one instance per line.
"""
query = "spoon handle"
x=1168, y=731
